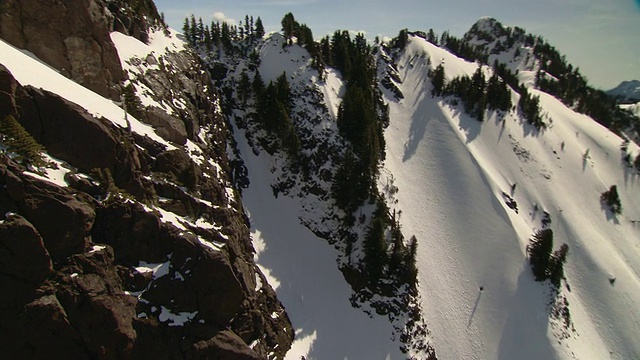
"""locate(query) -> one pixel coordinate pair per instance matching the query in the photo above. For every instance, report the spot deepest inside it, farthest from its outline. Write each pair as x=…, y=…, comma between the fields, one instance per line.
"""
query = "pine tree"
x=556, y=265
x=247, y=26
x=342, y=180
x=539, y=251
x=186, y=30
x=259, y=28
x=288, y=27
x=17, y=140
x=498, y=94
x=225, y=36
x=193, y=31
x=200, y=32
x=437, y=79
x=244, y=87
x=398, y=250
x=411, y=272
x=612, y=199
x=375, y=249
x=401, y=41
x=208, y=42
x=132, y=102
x=432, y=37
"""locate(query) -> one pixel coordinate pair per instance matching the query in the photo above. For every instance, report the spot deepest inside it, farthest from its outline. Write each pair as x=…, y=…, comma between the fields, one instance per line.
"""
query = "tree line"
x=221, y=34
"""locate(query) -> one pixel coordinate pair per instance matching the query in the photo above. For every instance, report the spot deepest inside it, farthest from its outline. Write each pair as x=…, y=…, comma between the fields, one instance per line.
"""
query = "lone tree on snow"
x=611, y=198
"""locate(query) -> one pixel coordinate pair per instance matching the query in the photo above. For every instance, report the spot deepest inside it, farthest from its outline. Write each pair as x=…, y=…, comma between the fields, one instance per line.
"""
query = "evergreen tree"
x=241, y=29
x=258, y=87
x=342, y=180
x=259, y=28
x=193, y=31
x=530, y=107
x=611, y=198
x=248, y=27
x=208, y=42
x=288, y=27
x=375, y=249
x=498, y=94
x=200, y=32
x=17, y=140
x=410, y=263
x=556, y=265
x=432, y=37
x=326, y=50
x=475, y=102
x=437, y=80
x=398, y=250
x=341, y=49
x=401, y=41
x=132, y=102
x=225, y=36
x=244, y=87
x=539, y=251
x=186, y=30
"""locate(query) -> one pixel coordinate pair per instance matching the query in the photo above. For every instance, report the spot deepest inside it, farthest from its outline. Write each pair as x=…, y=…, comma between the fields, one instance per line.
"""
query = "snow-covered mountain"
x=627, y=90
x=458, y=182
x=264, y=124
x=474, y=194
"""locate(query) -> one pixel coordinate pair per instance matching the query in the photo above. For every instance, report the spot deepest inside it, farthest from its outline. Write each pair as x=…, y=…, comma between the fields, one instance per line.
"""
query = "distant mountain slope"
x=475, y=192
x=472, y=192
x=627, y=90
x=492, y=43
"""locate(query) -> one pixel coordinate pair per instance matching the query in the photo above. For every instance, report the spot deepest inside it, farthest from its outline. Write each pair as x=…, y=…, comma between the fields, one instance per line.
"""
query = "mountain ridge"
x=627, y=90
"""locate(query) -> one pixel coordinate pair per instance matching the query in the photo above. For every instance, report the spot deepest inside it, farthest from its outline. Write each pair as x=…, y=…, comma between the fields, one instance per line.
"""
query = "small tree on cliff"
x=18, y=141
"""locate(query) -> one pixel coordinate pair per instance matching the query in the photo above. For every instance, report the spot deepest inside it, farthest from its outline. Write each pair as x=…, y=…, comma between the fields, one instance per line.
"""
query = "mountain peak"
x=628, y=89
x=487, y=25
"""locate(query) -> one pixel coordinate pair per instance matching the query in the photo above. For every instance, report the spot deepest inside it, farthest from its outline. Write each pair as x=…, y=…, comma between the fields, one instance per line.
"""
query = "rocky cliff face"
x=71, y=36
x=144, y=249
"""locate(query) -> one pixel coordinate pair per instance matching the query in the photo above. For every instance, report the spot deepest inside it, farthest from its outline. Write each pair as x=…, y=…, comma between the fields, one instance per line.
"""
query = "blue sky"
x=601, y=37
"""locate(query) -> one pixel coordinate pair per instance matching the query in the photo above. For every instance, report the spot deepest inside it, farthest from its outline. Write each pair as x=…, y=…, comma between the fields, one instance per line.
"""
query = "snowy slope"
x=451, y=171
x=302, y=269
x=634, y=108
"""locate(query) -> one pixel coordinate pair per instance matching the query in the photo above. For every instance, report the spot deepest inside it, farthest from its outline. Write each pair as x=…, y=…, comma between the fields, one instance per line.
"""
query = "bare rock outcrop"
x=109, y=275
x=71, y=36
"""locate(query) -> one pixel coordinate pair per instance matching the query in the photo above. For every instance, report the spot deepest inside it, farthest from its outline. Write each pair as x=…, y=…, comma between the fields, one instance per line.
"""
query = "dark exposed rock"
x=65, y=233
x=134, y=233
x=22, y=251
x=96, y=305
x=43, y=330
x=71, y=134
x=71, y=36
x=178, y=80
x=83, y=184
x=67, y=131
x=166, y=126
x=224, y=346
x=179, y=164
x=63, y=295
x=24, y=265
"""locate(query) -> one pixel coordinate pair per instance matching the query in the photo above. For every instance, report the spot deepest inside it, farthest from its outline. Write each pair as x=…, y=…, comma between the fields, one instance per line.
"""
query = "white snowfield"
x=451, y=171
